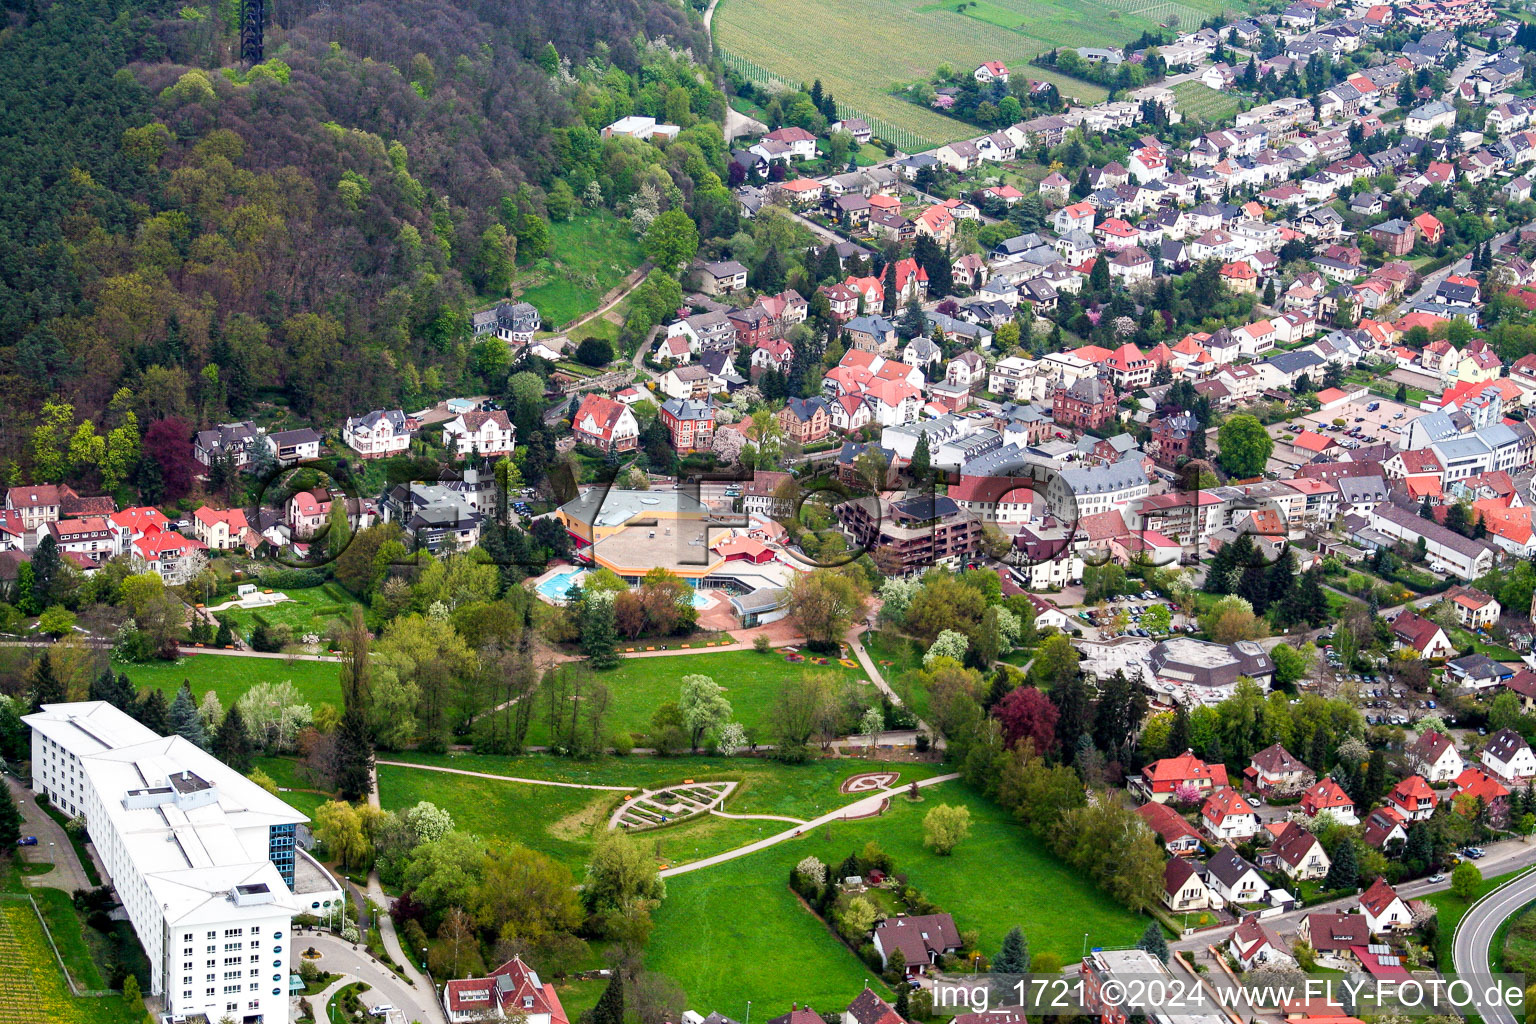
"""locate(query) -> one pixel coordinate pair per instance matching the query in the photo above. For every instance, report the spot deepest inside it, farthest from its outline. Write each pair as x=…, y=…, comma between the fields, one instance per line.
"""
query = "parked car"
x=27, y=841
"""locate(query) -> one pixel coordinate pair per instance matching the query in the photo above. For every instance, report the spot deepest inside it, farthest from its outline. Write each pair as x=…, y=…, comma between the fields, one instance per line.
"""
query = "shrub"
x=762, y=645
x=623, y=743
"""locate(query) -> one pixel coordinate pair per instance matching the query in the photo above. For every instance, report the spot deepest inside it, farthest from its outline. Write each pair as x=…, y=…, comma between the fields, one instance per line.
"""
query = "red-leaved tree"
x=1026, y=712
x=168, y=443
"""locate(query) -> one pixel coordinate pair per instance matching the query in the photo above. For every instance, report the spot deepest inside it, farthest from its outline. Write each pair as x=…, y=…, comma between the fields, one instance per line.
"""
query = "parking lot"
x=1132, y=607
x=1362, y=423
x=1382, y=701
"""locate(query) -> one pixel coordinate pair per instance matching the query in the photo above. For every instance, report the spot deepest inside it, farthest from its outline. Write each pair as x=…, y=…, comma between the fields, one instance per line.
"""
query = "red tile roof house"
x=512, y=990
x=1252, y=944
x=922, y=940
x=1383, y=909
x=1275, y=770
x=1435, y=757
x=1161, y=780
x=1227, y=816
x=1297, y=852
x=1477, y=791
x=1327, y=795
x=605, y=424
x=1413, y=630
x=1384, y=829
x=1178, y=835
x=1334, y=934
x=869, y=1008
x=1413, y=799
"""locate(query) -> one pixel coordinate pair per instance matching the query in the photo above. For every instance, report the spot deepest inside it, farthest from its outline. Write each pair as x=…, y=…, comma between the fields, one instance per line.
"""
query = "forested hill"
x=184, y=238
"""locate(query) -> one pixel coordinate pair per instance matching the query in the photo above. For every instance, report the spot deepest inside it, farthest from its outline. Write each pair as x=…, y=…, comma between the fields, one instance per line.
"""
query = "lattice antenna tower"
x=253, y=17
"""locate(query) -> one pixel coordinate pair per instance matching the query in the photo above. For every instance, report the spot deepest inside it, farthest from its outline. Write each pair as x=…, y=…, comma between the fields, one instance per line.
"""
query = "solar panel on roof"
x=1390, y=961
x=1378, y=949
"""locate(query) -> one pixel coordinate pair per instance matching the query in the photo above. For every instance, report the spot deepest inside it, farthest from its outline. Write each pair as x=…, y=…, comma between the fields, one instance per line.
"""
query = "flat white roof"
x=193, y=827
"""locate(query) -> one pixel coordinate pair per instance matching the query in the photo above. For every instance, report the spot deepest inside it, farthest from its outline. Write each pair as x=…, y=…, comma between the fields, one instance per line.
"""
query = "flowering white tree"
x=732, y=739
x=428, y=822
x=274, y=714
x=728, y=445
x=871, y=726
x=813, y=869
x=948, y=644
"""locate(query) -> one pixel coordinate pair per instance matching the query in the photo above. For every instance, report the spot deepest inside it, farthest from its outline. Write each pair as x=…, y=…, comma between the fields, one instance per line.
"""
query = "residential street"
x=1461, y=266
x=1503, y=857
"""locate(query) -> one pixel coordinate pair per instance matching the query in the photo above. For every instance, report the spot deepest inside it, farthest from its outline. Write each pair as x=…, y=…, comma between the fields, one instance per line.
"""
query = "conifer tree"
x=232, y=743
x=10, y=820
x=354, y=756
x=184, y=719
x=153, y=712
x=1152, y=941
x=1013, y=958
x=46, y=688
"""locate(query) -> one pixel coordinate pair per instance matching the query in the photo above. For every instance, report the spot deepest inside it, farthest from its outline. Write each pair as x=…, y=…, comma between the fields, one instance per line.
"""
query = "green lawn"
x=589, y=255
x=1519, y=952
x=553, y=820
x=734, y=932
x=230, y=676
x=1461, y=638
x=570, y=818
x=69, y=934
x=751, y=680
x=296, y=791
x=308, y=610
x=895, y=656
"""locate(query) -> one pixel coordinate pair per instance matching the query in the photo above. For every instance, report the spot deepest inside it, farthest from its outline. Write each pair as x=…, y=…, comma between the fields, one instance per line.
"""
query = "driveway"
x=53, y=846
x=340, y=957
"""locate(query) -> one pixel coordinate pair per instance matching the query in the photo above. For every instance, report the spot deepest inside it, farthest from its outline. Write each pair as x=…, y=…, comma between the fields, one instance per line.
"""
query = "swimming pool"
x=700, y=599
x=557, y=586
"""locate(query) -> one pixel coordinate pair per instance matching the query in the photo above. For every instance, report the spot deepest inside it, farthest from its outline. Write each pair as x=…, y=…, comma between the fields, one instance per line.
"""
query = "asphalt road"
x=1474, y=939
x=1461, y=266
x=386, y=988
x=53, y=846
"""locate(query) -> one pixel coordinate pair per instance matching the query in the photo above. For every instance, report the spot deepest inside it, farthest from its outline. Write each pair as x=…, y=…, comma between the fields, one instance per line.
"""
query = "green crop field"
x=230, y=676
x=859, y=48
x=734, y=932
x=589, y=255
x=1199, y=101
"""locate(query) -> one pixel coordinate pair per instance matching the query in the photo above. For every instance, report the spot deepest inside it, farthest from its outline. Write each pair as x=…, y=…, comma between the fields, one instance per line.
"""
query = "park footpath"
x=387, y=923
x=864, y=807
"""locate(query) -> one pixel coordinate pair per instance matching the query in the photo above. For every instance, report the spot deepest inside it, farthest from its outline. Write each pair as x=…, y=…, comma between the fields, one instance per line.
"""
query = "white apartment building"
x=204, y=860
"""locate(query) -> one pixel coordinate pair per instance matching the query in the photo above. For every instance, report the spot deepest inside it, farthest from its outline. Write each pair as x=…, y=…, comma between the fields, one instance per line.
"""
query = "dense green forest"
x=183, y=239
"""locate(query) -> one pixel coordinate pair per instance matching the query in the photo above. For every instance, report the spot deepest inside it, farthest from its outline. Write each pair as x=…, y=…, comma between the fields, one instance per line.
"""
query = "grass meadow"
x=563, y=822
x=589, y=255
x=229, y=676
x=734, y=931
